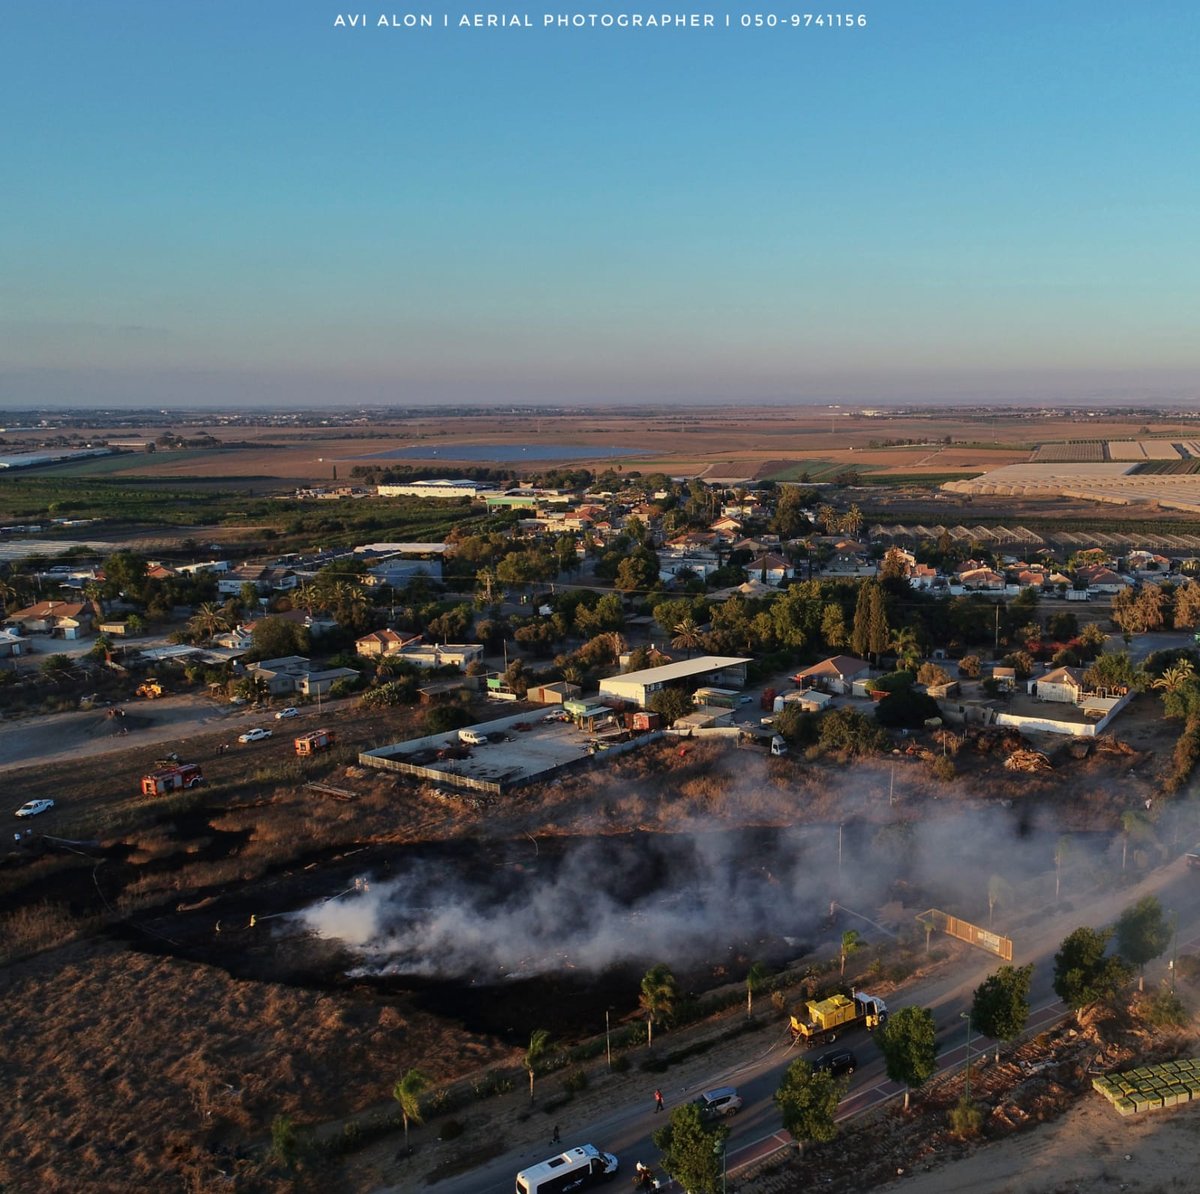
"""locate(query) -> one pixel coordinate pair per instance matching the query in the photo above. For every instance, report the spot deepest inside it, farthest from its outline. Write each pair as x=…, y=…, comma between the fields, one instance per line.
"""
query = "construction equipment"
x=314, y=742
x=150, y=689
x=824, y=1019
x=172, y=779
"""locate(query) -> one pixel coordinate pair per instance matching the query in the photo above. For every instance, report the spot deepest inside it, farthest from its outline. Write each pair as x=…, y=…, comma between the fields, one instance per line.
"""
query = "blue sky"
x=241, y=203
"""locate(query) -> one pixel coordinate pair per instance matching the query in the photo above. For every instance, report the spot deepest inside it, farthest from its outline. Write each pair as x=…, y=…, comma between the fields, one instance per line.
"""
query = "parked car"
x=720, y=1101
x=837, y=1062
x=290, y=711
x=254, y=735
x=31, y=808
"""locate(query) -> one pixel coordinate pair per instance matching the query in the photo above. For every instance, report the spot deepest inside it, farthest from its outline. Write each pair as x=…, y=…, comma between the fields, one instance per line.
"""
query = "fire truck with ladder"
x=822, y=1020
x=175, y=778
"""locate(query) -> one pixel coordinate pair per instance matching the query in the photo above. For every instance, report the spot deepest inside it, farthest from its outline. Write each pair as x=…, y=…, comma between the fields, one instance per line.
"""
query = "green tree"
x=833, y=627
x=658, y=997
x=686, y=635
x=1143, y=933
x=407, y=1092
x=1187, y=606
x=756, y=976
x=1174, y=677
x=879, y=634
x=1000, y=1008
x=539, y=1043
x=808, y=1102
x=1082, y=974
x=906, y=645
x=860, y=627
x=273, y=638
x=691, y=1152
x=852, y=522
x=851, y=944
x=287, y=1141
x=208, y=620
x=670, y=704
x=909, y=1047
x=1110, y=671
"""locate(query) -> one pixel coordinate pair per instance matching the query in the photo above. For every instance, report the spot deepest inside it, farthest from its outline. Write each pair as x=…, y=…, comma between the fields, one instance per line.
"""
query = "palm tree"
x=407, y=1092
x=207, y=621
x=999, y=892
x=657, y=998
x=687, y=635
x=852, y=522
x=307, y=597
x=755, y=977
x=1175, y=677
x=539, y=1042
x=907, y=647
x=851, y=943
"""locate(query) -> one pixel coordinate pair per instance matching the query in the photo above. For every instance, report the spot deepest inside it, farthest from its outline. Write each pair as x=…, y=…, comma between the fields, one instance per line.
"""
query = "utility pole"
x=892, y=787
x=607, y=1039
x=967, y=1016
x=996, y=644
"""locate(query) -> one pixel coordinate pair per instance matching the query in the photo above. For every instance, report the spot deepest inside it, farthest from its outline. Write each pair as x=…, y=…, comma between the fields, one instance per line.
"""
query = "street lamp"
x=719, y=1150
x=607, y=1038
x=967, y=1016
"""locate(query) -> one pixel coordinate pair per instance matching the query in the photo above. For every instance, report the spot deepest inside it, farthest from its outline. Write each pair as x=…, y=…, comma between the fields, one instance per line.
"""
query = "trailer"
x=314, y=742
x=172, y=779
x=823, y=1020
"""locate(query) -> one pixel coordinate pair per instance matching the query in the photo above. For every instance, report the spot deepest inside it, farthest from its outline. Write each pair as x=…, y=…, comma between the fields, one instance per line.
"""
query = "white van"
x=472, y=738
x=778, y=746
x=573, y=1169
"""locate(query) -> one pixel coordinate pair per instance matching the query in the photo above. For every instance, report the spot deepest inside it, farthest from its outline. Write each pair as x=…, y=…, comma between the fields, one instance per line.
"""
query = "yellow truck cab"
x=821, y=1020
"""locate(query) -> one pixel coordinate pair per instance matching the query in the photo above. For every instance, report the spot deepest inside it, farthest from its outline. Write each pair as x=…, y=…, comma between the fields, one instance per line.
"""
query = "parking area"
x=519, y=749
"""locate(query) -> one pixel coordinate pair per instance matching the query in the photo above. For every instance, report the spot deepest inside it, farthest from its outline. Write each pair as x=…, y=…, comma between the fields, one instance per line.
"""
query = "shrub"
x=943, y=768
x=451, y=1130
x=575, y=1081
x=620, y=1065
x=1164, y=1009
x=969, y=667
x=966, y=1119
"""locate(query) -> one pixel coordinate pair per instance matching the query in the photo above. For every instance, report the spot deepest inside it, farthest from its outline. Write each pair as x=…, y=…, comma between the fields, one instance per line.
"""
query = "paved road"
x=86, y=733
x=756, y=1130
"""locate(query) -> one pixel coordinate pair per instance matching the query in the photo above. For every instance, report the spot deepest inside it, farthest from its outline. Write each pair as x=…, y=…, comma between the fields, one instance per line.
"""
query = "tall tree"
x=691, y=1151
x=686, y=635
x=909, y=1046
x=808, y=1102
x=999, y=892
x=755, y=977
x=833, y=627
x=1082, y=973
x=851, y=944
x=407, y=1092
x=539, y=1042
x=1143, y=934
x=1000, y=1008
x=852, y=522
x=860, y=630
x=878, y=632
x=658, y=996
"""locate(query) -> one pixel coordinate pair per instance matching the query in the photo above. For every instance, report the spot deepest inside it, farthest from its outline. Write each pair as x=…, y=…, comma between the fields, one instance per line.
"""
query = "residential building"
x=835, y=674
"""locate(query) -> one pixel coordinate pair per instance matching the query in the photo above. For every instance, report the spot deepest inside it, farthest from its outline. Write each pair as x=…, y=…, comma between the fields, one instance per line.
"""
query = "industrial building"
x=722, y=671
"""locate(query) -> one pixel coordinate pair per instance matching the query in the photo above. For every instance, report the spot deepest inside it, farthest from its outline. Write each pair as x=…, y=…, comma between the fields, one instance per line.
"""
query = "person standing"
x=556, y=1138
x=658, y=1101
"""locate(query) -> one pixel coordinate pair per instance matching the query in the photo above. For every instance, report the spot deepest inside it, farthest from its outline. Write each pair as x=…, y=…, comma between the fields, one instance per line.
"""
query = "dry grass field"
x=733, y=443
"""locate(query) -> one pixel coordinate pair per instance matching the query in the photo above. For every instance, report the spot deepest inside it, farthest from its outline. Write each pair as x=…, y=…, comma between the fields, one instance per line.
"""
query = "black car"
x=837, y=1062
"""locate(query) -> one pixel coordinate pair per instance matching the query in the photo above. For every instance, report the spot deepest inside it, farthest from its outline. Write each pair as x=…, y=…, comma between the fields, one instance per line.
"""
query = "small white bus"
x=573, y=1169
